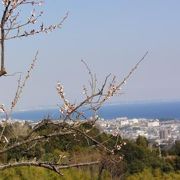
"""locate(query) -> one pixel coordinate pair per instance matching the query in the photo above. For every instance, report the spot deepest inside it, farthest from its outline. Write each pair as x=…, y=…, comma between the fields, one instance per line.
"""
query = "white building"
x=153, y=123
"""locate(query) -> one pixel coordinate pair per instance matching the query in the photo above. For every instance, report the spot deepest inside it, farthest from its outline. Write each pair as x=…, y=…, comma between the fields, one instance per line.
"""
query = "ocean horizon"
x=148, y=110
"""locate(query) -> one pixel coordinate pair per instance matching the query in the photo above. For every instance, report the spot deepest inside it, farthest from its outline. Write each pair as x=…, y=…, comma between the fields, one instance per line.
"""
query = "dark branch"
x=54, y=167
x=36, y=139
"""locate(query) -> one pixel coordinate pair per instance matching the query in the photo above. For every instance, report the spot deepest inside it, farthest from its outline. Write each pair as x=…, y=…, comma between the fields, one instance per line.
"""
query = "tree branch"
x=54, y=167
x=39, y=138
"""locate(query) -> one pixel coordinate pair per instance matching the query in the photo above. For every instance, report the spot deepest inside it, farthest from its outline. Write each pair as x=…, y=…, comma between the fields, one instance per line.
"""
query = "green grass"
x=156, y=174
x=34, y=173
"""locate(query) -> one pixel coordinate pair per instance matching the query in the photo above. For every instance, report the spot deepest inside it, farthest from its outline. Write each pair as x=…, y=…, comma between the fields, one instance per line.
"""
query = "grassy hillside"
x=134, y=160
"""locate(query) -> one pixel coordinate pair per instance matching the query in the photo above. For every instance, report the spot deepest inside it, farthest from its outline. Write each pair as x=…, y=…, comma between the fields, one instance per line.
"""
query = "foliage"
x=138, y=159
x=155, y=174
x=142, y=141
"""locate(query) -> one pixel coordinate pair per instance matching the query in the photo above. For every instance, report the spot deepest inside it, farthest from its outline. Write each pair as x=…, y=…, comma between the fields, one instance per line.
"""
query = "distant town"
x=156, y=131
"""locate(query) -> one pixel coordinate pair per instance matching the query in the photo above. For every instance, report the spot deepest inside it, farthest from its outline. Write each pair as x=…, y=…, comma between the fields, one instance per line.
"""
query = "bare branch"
x=92, y=139
x=22, y=84
x=12, y=27
x=54, y=167
x=132, y=70
x=36, y=139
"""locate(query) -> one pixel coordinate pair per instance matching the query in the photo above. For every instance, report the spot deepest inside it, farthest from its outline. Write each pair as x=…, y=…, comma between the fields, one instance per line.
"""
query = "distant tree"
x=177, y=148
x=177, y=163
x=142, y=141
x=139, y=157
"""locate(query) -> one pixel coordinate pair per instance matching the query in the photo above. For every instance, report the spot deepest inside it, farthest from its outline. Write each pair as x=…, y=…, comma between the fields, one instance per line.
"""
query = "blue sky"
x=111, y=36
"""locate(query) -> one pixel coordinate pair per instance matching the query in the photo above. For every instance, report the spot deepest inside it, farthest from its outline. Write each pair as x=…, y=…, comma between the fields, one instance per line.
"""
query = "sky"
x=111, y=36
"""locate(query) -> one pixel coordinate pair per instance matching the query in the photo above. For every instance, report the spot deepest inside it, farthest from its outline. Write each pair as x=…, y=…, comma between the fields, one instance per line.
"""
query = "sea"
x=147, y=110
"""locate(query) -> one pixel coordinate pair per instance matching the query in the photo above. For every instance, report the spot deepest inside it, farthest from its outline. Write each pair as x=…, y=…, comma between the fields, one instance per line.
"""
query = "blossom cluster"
x=2, y=110
x=119, y=146
x=67, y=107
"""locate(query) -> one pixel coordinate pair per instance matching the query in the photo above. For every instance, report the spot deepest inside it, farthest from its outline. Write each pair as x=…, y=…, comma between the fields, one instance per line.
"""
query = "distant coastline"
x=162, y=110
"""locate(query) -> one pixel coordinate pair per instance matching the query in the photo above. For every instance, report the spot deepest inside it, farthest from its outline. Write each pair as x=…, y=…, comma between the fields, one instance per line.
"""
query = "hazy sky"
x=111, y=36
